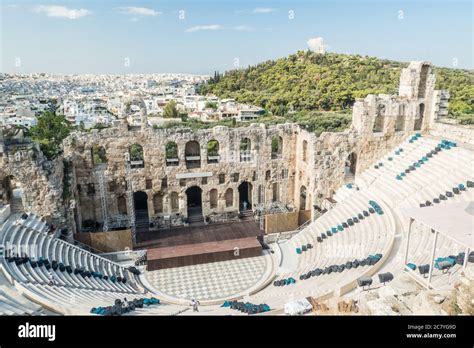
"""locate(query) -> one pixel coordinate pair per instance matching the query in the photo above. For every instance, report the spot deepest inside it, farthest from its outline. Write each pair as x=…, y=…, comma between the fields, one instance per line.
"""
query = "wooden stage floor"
x=191, y=245
x=197, y=234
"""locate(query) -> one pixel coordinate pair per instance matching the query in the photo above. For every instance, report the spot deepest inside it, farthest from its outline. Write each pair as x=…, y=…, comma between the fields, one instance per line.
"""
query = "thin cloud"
x=62, y=12
x=204, y=27
x=243, y=28
x=139, y=11
x=263, y=10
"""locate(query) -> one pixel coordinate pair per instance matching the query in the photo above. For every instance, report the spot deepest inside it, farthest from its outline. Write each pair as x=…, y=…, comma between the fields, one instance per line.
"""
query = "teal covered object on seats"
x=333, y=229
x=298, y=250
x=226, y=304
x=340, y=228
x=411, y=266
x=451, y=260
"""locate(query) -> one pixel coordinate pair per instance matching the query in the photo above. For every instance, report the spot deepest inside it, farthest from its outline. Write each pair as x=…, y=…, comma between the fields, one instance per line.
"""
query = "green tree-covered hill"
x=308, y=82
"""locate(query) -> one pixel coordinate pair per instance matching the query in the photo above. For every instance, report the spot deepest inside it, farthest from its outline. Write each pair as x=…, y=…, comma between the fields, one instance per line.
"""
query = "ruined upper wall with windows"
x=166, y=163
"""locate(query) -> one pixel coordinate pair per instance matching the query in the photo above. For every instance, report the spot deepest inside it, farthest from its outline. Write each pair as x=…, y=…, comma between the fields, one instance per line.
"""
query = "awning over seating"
x=455, y=220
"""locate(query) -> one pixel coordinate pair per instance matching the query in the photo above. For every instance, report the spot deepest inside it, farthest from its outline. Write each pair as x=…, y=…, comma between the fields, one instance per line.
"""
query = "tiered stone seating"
x=33, y=280
x=374, y=234
x=12, y=303
x=370, y=236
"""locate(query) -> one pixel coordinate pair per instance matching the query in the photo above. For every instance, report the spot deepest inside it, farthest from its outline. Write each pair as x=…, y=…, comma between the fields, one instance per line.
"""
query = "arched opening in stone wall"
x=158, y=203
x=194, y=197
x=378, y=124
x=192, y=153
x=303, y=198
x=213, y=198
x=268, y=175
x=305, y=150
x=423, y=80
x=275, y=192
x=400, y=124
x=229, y=198
x=419, y=117
x=277, y=147
x=11, y=192
x=98, y=155
x=402, y=108
x=174, y=202
x=245, y=147
x=245, y=196
x=140, y=202
x=136, y=156
x=171, y=153
x=213, y=151
x=261, y=194
x=351, y=165
x=122, y=205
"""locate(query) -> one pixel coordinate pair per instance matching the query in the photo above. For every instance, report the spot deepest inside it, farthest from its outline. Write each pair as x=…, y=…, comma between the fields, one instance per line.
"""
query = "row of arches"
x=194, y=195
x=400, y=120
x=192, y=152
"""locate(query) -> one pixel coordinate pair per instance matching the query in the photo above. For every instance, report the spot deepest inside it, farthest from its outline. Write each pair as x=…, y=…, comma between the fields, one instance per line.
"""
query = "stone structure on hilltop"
x=170, y=176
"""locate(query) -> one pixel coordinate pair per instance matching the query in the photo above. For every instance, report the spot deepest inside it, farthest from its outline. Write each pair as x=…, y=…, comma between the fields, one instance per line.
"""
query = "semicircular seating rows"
x=82, y=280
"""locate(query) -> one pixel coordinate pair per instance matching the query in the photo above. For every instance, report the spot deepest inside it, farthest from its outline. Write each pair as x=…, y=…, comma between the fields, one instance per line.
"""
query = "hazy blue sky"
x=102, y=36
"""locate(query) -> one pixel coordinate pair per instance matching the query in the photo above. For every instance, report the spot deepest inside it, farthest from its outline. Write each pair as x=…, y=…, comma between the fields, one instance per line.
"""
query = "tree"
x=136, y=152
x=211, y=105
x=170, y=110
x=171, y=150
x=50, y=132
x=213, y=148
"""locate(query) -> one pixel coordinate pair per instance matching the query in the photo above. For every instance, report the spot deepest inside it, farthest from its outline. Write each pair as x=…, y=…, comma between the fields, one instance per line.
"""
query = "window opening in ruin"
x=213, y=198
x=221, y=178
x=303, y=198
x=122, y=205
x=213, y=151
x=419, y=117
x=351, y=165
x=275, y=192
x=245, y=147
x=305, y=149
x=90, y=189
x=277, y=147
x=171, y=153
x=11, y=192
x=268, y=175
x=229, y=198
x=158, y=203
x=192, y=153
x=98, y=155
x=378, y=124
x=261, y=194
x=148, y=184
x=136, y=156
x=174, y=200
